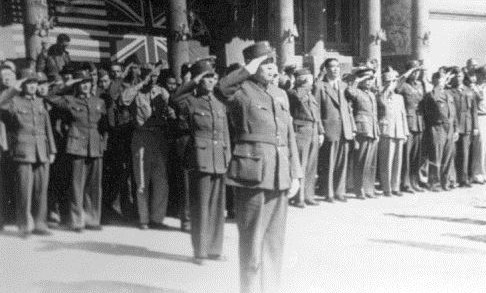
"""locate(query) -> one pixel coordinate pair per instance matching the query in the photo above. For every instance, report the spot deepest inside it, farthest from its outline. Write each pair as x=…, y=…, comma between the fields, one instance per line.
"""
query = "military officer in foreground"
x=86, y=143
x=309, y=134
x=207, y=157
x=32, y=150
x=265, y=166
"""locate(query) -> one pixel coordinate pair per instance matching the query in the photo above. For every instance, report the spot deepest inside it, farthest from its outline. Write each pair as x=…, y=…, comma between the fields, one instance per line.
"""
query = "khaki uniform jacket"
x=466, y=109
x=5, y=95
x=365, y=112
x=29, y=126
x=413, y=96
x=392, y=116
x=265, y=153
x=337, y=120
x=209, y=149
x=87, y=127
x=440, y=108
x=304, y=109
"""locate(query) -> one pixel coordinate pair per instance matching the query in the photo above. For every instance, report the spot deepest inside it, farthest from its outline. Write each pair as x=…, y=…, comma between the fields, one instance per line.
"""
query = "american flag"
x=105, y=30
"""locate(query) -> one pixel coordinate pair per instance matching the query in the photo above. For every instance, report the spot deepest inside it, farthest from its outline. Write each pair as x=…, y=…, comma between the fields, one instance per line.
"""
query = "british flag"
x=104, y=30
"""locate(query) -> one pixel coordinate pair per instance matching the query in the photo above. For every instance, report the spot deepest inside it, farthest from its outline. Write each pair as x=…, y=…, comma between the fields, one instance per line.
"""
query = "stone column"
x=178, y=35
x=372, y=34
x=420, y=33
x=36, y=26
x=286, y=32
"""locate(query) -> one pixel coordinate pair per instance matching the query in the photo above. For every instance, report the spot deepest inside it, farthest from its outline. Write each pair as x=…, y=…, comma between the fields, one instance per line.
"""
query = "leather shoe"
x=446, y=188
x=360, y=196
x=387, y=194
x=465, y=185
x=77, y=229
x=417, y=189
x=329, y=200
x=438, y=189
x=158, y=226
x=198, y=260
x=94, y=227
x=217, y=257
x=297, y=204
x=370, y=195
x=408, y=189
x=397, y=193
x=341, y=199
x=311, y=202
x=143, y=226
x=42, y=232
x=378, y=192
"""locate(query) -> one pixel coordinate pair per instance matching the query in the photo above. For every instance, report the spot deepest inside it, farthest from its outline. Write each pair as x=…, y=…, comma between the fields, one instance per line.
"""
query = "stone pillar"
x=178, y=35
x=36, y=26
x=420, y=33
x=286, y=32
x=372, y=34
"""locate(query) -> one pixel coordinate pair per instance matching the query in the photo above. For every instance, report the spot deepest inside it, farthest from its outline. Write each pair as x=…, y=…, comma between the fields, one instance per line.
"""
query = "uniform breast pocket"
x=246, y=165
x=202, y=120
x=259, y=113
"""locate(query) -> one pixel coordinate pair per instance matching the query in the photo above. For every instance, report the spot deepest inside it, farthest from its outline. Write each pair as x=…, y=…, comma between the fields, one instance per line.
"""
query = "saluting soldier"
x=413, y=90
x=467, y=124
x=441, y=125
x=86, y=143
x=339, y=128
x=365, y=112
x=309, y=134
x=265, y=166
x=394, y=131
x=32, y=150
x=207, y=156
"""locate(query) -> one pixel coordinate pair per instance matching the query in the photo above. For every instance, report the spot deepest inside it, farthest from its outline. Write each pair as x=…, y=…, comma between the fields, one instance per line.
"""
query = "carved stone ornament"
x=43, y=25
x=290, y=34
x=425, y=38
x=378, y=37
x=182, y=33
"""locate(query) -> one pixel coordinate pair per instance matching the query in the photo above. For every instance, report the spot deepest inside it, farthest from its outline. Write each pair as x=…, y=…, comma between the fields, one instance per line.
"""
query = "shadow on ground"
x=99, y=286
x=113, y=249
x=476, y=238
x=430, y=246
x=437, y=218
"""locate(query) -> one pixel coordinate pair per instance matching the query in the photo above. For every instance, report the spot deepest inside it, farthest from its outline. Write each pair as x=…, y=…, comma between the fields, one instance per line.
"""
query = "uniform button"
x=215, y=142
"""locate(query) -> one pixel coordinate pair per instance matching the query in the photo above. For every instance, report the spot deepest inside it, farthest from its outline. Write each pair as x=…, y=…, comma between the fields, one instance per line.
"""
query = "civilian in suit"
x=86, y=143
x=309, y=134
x=413, y=90
x=365, y=113
x=441, y=125
x=467, y=119
x=394, y=131
x=264, y=169
x=339, y=128
x=32, y=150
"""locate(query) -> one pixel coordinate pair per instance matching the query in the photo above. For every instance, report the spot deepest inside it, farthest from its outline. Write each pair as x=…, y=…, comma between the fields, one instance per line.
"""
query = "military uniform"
x=307, y=127
x=339, y=128
x=441, y=124
x=207, y=157
x=467, y=122
x=265, y=161
x=32, y=143
x=149, y=152
x=413, y=95
x=394, y=131
x=85, y=144
x=365, y=114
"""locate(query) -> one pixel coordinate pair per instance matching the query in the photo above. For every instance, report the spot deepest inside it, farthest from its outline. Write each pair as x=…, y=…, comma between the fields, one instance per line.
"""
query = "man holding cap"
x=32, y=150
x=309, y=133
x=265, y=167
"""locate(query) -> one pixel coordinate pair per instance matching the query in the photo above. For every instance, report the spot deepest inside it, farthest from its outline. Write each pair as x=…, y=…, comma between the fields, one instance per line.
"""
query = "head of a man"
x=332, y=68
x=104, y=80
x=116, y=70
x=267, y=72
x=43, y=84
x=210, y=78
x=457, y=78
x=171, y=83
x=29, y=87
x=367, y=76
x=390, y=79
x=471, y=65
x=303, y=78
x=63, y=41
x=7, y=76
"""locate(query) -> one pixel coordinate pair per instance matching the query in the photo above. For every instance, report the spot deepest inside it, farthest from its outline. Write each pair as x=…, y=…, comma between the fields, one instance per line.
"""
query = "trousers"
x=412, y=160
x=261, y=217
x=308, y=147
x=333, y=167
x=463, y=147
x=441, y=155
x=391, y=151
x=364, y=166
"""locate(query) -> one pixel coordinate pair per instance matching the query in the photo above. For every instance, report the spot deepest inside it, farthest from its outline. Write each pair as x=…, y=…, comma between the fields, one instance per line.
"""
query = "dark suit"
x=413, y=95
x=441, y=124
x=467, y=122
x=307, y=126
x=207, y=157
x=365, y=112
x=264, y=163
x=32, y=142
x=85, y=144
x=339, y=126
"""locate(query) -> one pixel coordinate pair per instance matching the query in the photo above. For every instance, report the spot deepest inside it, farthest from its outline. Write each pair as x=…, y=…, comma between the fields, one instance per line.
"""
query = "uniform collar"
x=29, y=97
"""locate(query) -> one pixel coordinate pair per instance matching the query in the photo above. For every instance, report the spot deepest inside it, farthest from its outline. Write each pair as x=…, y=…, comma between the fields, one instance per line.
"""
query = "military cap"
x=364, y=70
x=390, y=75
x=412, y=64
x=82, y=75
x=257, y=50
x=201, y=66
x=41, y=77
x=302, y=71
x=29, y=75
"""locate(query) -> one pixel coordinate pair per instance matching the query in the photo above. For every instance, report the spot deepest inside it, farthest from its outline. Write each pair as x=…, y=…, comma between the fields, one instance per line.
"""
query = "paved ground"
x=419, y=243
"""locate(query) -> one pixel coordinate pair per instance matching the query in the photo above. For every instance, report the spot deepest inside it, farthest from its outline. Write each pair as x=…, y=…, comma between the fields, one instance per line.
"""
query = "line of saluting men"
x=265, y=134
